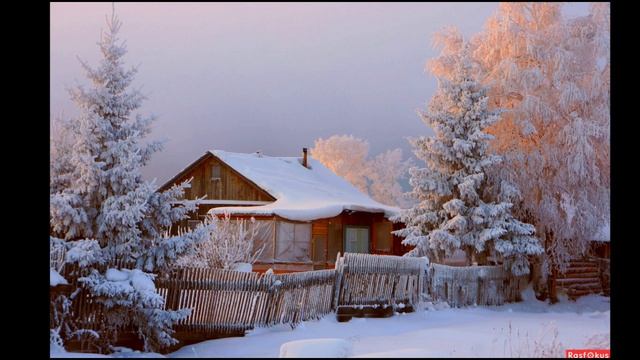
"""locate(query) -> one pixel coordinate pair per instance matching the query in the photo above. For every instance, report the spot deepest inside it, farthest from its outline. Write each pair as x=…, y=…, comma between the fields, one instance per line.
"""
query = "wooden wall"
x=231, y=186
x=398, y=248
x=327, y=236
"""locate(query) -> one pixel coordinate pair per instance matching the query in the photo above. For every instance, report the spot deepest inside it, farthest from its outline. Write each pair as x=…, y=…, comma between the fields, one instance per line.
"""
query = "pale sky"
x=266, y=76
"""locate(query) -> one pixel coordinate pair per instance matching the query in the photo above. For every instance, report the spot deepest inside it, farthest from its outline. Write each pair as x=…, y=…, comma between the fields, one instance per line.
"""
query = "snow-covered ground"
x=520, y=329
x=524, y=329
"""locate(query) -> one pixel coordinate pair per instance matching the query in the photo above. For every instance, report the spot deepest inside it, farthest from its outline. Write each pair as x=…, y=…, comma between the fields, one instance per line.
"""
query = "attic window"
x=215, y=172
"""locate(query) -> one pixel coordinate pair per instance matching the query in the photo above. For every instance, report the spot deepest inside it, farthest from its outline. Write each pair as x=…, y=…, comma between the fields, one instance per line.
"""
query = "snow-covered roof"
x=302, y=194
x=604, y=233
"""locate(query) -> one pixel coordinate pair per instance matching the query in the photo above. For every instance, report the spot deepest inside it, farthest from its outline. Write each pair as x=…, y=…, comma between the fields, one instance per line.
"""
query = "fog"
x=266, y=76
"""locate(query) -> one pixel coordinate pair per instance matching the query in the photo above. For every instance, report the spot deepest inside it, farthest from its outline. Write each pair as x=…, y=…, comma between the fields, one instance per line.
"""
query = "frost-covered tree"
x=551, y=74
x=458, y=207
x=385, y=172
x=348, y=157
x=60, y=145
x=230, y=242
x=129, y=296
x=102, y=206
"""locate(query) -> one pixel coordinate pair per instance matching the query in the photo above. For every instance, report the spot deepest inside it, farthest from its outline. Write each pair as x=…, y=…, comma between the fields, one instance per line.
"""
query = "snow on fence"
x=230, y=302
x=472, y=285
x=364, y=279
x=86, y=312
x=227, y=303
x=223, y=302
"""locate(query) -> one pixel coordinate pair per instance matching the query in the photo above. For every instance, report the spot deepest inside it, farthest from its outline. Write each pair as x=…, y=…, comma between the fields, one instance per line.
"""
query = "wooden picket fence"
x=230, y=302
x=86, y=312
x=472, y=285
x=365, y=279
x=227, y=303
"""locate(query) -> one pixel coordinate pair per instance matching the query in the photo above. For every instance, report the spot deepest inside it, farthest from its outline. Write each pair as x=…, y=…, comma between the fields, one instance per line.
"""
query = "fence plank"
x=464, y=286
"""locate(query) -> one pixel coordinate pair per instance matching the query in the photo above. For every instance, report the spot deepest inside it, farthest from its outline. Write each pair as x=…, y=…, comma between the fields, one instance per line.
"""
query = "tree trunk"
x=481, y=258
x=470, y=256
x=553, y=291
x=536, y=278
x=553, y=273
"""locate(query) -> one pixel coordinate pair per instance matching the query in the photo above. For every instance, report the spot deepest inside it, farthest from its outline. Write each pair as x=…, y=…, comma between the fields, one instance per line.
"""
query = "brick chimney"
x=304, y=158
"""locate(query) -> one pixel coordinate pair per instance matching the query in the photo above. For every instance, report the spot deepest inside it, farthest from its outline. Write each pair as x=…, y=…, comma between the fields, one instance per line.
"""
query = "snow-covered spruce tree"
x=230, y=242
x=104, y=209
x=61, y=145
x=551, y=75
x=457, y=206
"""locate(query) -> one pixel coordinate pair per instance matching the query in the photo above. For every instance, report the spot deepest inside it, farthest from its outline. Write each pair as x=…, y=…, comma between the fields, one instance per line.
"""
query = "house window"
x=293, y=241
x=264, y=237
x=215, y=172
x=356, y=239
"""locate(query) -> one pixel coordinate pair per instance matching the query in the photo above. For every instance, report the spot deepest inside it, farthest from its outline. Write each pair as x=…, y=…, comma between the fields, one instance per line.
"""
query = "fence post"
x=271, y=294
x=174, y=283
x=338, y=283
x=421, y=276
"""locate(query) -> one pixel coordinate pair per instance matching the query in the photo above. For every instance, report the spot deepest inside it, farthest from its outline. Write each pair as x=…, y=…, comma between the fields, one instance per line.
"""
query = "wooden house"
x=307, y=214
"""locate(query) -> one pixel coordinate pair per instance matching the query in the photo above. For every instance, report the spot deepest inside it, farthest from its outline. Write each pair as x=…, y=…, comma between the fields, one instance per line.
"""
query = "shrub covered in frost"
x=230, y=242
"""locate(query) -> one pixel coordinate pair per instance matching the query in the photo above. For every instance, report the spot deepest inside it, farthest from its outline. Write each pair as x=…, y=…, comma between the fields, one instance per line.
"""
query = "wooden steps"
x=581, y=270
x=590, y=274
x=581, y=278
x=585, y=263
x=577, y=281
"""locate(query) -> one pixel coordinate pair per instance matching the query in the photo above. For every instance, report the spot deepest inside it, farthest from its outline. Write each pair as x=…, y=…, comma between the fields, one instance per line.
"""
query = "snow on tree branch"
x=101, y=205
x=457, y=206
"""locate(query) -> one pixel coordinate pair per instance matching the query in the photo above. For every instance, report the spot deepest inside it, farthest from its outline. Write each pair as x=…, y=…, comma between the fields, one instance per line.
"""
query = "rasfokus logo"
x=587, y=354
